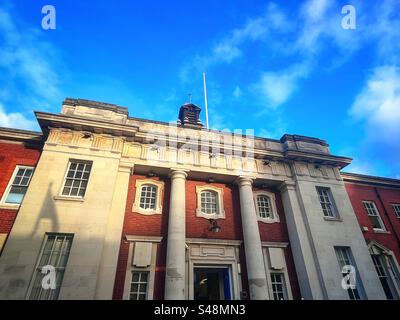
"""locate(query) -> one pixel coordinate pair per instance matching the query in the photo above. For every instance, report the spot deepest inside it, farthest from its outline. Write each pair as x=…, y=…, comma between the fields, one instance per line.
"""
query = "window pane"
x=135, y=277
x=55, y=252
x=373, y=215
x=343, y=256
x=139, y=283
x=209, y=202
x=18, y=185
x=396, y=208
x=76, y=179
x=325, y=199
x=148, y=196
x=264, y=206
x=278, y=286
x=16, y=194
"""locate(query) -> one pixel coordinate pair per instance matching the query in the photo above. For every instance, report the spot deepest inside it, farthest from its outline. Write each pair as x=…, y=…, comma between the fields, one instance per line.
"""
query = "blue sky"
x=275, y=67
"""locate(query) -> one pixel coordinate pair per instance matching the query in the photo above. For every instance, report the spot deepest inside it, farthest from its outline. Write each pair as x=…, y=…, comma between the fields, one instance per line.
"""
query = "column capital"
x=178, y=173
x=244, y=180
x=287, y=185
x=126, y=167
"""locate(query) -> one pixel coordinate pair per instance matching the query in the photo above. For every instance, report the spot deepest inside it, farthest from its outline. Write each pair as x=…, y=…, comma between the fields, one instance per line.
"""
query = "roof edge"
x=370, y=180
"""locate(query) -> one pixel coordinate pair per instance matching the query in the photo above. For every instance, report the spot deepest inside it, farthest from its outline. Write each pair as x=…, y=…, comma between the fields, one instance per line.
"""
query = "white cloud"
x=377, y=106
x=230, y=48
x=378, y=103
x=28, y=65
x=277, y=87
x=15, y=120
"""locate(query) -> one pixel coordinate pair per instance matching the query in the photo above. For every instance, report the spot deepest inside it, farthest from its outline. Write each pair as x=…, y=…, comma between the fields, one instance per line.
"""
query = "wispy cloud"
x=228, y=49
x=28, y=65
x=377, y=105
x=276, y=87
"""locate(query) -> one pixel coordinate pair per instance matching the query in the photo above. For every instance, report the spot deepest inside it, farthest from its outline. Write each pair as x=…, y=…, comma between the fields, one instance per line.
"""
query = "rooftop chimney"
x=189, y=116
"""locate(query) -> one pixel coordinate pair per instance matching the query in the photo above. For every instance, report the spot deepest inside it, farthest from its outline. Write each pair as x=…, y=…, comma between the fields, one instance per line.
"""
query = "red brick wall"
x=11, y=155
x=277, y=232
x=196, y=227
x=138, y=224
x=359, y=193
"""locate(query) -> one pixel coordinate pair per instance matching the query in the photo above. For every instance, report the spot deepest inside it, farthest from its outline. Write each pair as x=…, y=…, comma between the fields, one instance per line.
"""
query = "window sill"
x=265, y=220
x=9, y=206
x=210, y=216
x=333, y=219
x=381, y=231
x=68, y=198
x=146, y=212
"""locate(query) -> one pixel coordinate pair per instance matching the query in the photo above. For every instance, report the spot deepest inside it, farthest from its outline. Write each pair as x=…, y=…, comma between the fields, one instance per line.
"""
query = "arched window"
x=148, y=197
x=264, y=202
x=264, y=207
x=209, y=202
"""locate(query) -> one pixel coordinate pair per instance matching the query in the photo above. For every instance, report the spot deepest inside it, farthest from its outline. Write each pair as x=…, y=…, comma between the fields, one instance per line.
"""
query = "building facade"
x=106, y=206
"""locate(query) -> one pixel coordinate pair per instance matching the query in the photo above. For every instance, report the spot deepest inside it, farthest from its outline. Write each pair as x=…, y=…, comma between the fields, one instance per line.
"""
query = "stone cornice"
x=105, y=118
x=319, y=158
x=370, y=180
x=21, y=135
x=95, y=104
x=47, y=120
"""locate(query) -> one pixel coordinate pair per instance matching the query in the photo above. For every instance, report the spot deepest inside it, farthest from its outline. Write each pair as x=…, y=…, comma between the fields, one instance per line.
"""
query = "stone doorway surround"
x=213, y=252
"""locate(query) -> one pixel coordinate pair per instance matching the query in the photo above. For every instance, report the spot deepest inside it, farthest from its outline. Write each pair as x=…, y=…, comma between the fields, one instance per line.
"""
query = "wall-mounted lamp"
x=214, y=226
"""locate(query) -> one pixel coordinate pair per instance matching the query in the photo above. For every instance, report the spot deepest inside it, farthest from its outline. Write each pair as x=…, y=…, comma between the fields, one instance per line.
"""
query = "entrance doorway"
x=212, y=283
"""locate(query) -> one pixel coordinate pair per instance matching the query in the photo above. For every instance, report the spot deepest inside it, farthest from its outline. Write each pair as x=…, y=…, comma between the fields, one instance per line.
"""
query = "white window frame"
x=350, y=258
x=139, y=283
x=272, y=201
x=220, y=205
x=332, y=202
x=378, y=215
x=10, y=183
x=159, y=195
x=150, y=269
x=37, y=265
x=70, y=161
x=269, y=269
x=283, y=283
x=396, y=209
x=390, y=261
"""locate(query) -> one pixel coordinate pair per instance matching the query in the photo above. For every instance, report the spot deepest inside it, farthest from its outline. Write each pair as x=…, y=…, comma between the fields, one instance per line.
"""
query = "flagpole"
x=205, y=98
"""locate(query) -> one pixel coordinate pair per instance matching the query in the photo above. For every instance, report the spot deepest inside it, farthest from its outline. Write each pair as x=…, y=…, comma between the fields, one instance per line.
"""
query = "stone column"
x=112, y=238
x=303, y=256
x=175, y=266
x=252, y=242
